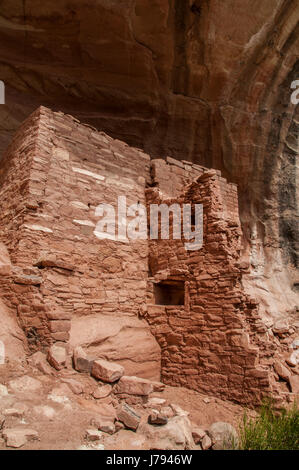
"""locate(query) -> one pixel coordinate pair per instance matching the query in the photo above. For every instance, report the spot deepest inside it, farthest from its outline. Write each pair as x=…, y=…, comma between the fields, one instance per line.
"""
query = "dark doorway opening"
x=170, y=293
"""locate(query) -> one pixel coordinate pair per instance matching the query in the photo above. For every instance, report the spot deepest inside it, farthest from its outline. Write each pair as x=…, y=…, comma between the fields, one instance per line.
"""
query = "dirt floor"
x=62, y=414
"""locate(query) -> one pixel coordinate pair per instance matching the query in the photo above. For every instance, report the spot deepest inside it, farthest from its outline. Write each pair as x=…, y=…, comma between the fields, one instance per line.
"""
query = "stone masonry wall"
x=20, y=178
x=206, y=343
x=63, y=275
x=68, y=286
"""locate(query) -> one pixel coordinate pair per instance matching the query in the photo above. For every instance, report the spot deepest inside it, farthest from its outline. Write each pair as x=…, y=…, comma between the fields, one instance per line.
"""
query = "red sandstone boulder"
x=155, y=402
x=81, y=361
x=106, y=371
x=57, y=357
x=133, y=386
x=167, y=411
x=119, y=338
x=17, y=437
x=93, y=435
x=104, y=421
x=157, y=418
x=128, y=416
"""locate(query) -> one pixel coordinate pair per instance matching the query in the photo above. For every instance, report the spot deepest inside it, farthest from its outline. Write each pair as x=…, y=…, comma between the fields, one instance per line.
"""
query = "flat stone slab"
x=17, y=437
x=107, y=371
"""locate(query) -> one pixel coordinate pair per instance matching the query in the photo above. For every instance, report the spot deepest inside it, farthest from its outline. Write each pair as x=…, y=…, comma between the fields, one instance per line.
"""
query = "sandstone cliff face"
x=206, y=81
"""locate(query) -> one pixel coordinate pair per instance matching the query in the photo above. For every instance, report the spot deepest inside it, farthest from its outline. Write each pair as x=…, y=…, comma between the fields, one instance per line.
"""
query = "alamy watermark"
x=135, y=223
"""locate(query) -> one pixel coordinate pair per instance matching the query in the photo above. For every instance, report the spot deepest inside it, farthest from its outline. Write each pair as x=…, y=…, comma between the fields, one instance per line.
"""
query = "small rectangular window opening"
x=170, y=293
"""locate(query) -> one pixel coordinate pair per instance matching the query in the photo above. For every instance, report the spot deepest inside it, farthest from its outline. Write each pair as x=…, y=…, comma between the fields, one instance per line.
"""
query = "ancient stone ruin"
x=160, y=311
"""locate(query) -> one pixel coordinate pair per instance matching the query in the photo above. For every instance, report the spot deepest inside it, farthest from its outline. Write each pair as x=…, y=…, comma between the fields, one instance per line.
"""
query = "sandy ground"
x=61, y=417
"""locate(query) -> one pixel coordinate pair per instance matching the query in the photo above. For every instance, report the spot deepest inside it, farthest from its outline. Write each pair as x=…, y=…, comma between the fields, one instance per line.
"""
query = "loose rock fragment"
x=93, y=435
x=133, y=386
x=81, y=361
x=107, y=371
x=17, y=437
x=128, y=416
x=57, y=357
x=155, y=402
x=157, y=418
